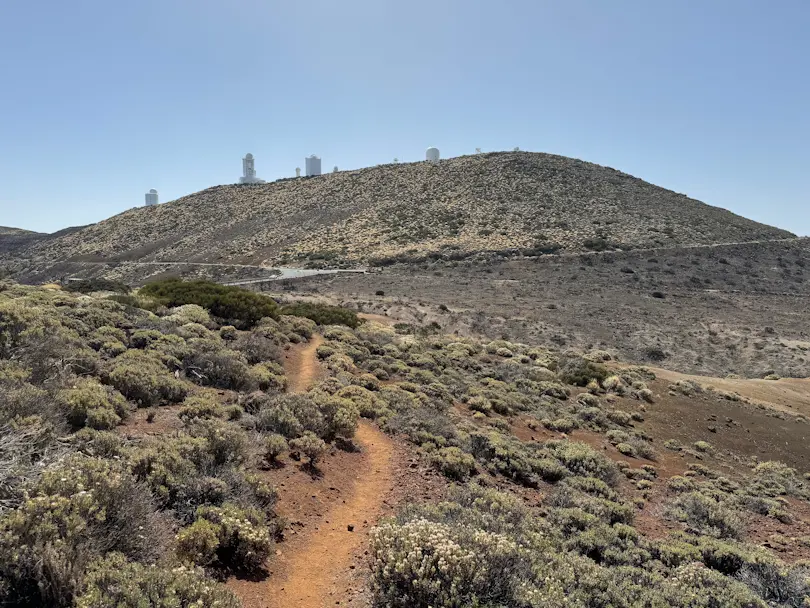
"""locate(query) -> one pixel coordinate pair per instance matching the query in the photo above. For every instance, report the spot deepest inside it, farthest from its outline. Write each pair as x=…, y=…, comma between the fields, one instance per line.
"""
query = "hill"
x=15, y=242
x=499, y=202
x=6, y=230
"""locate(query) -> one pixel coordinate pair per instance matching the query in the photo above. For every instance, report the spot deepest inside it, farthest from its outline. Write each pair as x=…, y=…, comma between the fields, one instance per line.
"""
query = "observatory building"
x=249, y=171
x=151, y=198
x=432, y=155
x=313, y=165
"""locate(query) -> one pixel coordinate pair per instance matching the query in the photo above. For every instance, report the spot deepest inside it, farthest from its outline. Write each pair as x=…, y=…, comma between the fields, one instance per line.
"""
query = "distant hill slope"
x=16, y=241
x=6, y=230
x=485, y=202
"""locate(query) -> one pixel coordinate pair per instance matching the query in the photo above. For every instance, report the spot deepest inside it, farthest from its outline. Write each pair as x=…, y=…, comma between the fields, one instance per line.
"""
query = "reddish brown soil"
x=753, y=432
x=165, y=421
x=313, y=567
x=301, y=365
x=321, y=562
x=789, y=395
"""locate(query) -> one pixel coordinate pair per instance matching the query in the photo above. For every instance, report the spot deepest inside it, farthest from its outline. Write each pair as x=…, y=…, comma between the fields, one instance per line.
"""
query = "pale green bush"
x=115, y=582
x=144, y=379
x=76, y=512
x=87, y=402
x=422, y=563
x=707, y=516
x=244, y=540
x=311, y=445
x=454, y=463
x=189, y=313
x=703, y=446
x=200, y=407
x=274, y=446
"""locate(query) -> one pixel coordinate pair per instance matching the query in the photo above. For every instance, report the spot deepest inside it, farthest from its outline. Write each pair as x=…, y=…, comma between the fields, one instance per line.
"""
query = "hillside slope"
x=16, y=242
x=7, y=230
x=487, y=202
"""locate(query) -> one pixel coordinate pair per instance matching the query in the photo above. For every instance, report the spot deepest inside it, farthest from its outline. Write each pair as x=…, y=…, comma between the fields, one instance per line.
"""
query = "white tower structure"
x=298, y=172
x=432, y=155
x=313, y=165
x=335, y=170
x=151, y=198
x=249, y=171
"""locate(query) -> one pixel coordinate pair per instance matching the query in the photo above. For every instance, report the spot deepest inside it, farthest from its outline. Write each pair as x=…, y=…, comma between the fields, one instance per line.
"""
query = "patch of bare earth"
x=791, y=395
x=382, y=319
x=164, y=420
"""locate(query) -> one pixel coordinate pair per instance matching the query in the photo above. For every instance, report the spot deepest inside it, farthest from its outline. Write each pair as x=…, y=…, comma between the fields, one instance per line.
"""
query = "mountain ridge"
x=459, y=206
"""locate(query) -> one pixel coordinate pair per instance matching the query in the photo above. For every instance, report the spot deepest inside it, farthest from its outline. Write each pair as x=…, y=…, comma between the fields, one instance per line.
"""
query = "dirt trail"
x=302, y=367
x=314, y=567
x=315, y=572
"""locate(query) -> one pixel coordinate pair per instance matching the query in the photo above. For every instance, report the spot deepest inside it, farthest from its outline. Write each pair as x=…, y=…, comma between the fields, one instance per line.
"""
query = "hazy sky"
x=101, y=101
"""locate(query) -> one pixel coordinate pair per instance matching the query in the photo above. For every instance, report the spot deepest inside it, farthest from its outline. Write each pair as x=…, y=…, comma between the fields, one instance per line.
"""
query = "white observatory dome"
x=432, y=154
x=153, y=191
x=248, y=156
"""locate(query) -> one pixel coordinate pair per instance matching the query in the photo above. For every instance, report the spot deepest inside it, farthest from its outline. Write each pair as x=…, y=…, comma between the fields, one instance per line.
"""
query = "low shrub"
x=323, y=314
x=78, y=511
x=454, y=463
x=244, y=540
x=238, y=307
x=257, y=348
x=703, y=446
x=208, y=365
x=311, y=445
x=579, y=371
x=188, y=314
x=144, y=379
x=87, y=402
x=780, y=585
x=114, y=581
x=423, y=563
x=200, y=407
x=267, y=377
x=705, y=515
x=584, y=461
x=274, y=446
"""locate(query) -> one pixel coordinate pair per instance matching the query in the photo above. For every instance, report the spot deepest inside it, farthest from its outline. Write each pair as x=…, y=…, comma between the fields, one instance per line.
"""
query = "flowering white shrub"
x=423, y=563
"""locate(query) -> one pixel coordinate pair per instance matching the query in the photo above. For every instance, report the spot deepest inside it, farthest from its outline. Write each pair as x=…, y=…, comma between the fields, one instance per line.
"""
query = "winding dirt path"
x=315, y=571
x=314, y=567
x=302, y=366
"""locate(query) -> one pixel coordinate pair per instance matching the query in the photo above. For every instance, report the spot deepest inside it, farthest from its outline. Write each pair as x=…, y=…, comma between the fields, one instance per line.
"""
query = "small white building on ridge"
x=151, y=198
x=249, y=171
x=313, y=165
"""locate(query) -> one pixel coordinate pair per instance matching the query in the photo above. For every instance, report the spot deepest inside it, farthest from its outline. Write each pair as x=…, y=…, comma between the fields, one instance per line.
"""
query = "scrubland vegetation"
x=93, y=516
x=484, y=547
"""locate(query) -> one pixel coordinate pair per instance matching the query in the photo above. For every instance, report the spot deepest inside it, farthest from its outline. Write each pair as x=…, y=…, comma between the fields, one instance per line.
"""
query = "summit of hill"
x=496, y=202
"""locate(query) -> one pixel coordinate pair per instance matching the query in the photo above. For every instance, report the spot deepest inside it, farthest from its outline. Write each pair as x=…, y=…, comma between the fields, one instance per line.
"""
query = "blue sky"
x=103, y=100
